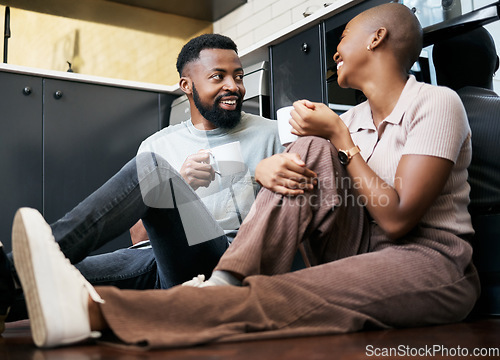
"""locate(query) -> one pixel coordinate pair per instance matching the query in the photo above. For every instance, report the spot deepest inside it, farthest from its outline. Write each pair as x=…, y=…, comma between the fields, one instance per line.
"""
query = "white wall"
x=258, y=19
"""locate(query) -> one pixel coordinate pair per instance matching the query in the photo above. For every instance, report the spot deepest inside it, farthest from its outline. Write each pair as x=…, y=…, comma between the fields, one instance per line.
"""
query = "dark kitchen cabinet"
x=302, y=66
x=21, y=161
x=89, y=132
x=297, y=69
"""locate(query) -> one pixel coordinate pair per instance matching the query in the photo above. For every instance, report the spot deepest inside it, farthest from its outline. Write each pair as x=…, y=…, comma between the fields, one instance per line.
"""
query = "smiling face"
x=215, y=81
x=352, y=54
x=389, y=34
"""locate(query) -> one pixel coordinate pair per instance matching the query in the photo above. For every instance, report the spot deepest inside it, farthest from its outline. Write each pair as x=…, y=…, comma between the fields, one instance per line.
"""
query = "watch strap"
x=353, y=151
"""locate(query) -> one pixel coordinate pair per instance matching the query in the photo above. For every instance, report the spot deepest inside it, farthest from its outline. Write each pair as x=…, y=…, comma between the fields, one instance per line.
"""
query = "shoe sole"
x=24, y=245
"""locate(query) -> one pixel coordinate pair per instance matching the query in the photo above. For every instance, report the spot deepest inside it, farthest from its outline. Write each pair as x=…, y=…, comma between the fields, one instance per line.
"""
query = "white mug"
x=227, y=159
x=284, y=127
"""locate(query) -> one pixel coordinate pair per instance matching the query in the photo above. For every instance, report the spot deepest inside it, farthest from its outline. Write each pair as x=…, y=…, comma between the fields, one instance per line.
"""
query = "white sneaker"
x=55, y=291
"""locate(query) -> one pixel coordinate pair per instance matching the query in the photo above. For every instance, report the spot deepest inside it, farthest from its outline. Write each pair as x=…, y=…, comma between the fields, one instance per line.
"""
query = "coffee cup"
x=227, y=159
x=284, y=127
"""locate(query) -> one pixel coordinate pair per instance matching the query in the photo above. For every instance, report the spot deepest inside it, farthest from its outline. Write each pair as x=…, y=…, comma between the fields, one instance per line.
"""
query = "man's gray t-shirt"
x=228, y=198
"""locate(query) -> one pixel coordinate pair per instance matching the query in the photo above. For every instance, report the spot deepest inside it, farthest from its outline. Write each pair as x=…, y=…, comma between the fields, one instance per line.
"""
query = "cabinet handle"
x=27, y=90
x=58, y=94
x=305, y=47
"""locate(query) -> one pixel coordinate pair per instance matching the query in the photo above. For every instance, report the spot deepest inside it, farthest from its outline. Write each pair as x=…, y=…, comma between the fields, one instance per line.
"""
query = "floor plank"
x=447, y=340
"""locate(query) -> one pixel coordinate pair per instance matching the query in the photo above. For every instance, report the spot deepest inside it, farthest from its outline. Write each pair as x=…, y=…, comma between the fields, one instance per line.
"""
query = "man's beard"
x=226, y=119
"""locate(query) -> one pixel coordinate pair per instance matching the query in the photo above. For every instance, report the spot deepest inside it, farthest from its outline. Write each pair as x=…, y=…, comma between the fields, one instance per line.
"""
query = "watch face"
x=343, y=157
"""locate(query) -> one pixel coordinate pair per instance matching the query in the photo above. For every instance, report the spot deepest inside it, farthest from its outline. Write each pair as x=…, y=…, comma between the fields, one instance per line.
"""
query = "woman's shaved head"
x=404, y=33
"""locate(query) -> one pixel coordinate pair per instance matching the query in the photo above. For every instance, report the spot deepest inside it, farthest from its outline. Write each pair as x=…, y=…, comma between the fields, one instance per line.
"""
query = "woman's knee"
x=314, y=151
x=308, y=142
x=311, y=147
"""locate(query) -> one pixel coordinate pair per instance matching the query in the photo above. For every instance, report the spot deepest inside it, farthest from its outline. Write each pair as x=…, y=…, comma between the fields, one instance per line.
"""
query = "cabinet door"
x=90, y=132
x=20, y=147
x=297, y=69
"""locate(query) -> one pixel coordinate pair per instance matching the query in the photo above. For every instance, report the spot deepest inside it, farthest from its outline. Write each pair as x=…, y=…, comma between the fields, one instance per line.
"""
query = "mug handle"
x=215, y=164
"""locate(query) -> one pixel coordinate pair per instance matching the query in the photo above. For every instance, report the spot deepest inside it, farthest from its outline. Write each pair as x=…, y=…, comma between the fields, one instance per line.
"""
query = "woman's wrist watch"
x=346, y=155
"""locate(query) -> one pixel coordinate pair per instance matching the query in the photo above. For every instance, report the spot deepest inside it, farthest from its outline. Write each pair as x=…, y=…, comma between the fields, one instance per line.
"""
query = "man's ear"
x=378, y=37
x=186, y=86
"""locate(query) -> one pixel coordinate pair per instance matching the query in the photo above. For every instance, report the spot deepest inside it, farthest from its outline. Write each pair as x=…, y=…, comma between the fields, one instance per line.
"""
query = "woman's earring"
x=368, y=48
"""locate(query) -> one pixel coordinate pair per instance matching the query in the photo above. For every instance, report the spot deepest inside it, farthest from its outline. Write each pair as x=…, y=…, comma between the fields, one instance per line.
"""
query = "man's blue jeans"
x=112, y=210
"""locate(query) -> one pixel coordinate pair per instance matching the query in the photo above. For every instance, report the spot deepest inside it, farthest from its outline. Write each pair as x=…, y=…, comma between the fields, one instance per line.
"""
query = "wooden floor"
x=482, y=333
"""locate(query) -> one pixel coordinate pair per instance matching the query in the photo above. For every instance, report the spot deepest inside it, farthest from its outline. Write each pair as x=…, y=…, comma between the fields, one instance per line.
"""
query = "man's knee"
x=155, y=174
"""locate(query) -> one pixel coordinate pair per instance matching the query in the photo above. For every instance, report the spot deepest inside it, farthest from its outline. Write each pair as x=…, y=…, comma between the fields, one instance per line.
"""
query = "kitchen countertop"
x=61, y=75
